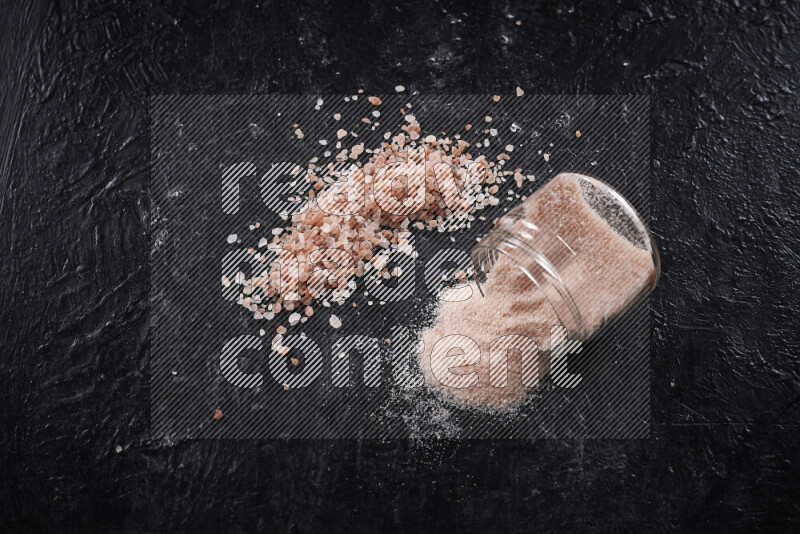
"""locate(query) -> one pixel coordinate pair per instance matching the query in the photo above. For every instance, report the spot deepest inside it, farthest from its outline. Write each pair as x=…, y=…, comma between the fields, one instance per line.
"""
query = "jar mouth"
x=541, y=254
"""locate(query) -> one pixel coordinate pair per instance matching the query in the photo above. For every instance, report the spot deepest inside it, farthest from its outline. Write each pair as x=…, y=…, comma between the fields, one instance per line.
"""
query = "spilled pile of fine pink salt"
x=604, y=273
x=512, y=305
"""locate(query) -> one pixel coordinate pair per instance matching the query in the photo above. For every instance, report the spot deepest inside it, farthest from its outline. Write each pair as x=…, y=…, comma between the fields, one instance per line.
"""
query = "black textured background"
x=74, y=84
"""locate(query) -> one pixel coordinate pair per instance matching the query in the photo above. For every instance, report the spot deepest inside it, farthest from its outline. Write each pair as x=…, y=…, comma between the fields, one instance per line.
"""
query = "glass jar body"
x=584, y=247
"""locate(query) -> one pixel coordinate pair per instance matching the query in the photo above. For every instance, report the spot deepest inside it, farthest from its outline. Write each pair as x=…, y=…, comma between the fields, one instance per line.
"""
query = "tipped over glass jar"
x=555, y=270
x=582, y=245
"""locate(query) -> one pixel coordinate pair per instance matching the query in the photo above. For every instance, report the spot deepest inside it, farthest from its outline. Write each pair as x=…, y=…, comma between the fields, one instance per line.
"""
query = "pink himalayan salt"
x=342, y=227
x=603, y=275
x=512, y=305
x=608, y=270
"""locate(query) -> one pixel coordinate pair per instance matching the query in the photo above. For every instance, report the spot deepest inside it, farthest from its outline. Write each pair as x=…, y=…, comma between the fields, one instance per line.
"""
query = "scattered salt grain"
x=335, y=321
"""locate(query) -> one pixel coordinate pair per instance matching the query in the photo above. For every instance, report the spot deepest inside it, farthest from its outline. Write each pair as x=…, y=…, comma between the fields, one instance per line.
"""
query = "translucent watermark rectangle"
x=228, y=172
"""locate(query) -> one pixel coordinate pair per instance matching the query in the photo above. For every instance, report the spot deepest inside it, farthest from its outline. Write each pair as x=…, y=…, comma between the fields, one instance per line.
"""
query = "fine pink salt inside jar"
x=582, y=245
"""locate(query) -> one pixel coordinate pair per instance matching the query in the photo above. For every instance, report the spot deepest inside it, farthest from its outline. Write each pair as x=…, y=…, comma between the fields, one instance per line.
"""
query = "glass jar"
x=583, y=245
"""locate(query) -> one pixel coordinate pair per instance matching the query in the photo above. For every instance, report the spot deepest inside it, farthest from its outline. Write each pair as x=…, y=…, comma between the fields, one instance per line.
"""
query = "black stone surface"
x=723, y=78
